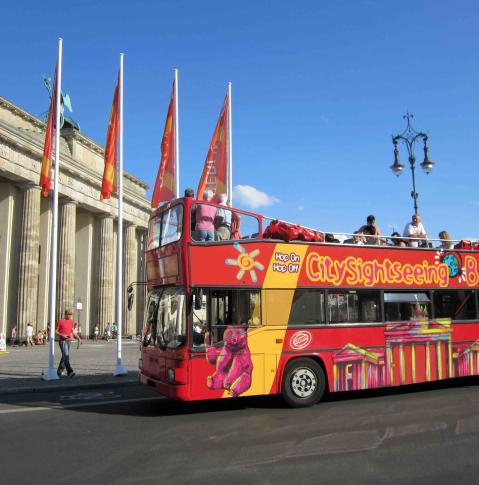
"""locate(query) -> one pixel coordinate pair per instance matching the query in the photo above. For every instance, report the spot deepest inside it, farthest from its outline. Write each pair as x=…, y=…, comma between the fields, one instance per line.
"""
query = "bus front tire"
x=304, y=383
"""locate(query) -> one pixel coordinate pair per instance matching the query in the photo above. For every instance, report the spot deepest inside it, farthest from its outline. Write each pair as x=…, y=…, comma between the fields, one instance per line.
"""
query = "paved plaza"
x=94, y=363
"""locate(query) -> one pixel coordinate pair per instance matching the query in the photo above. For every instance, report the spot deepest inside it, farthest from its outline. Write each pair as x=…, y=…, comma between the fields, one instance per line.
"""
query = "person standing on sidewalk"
x=29, y=335
x=13, y=337
x=65, y=332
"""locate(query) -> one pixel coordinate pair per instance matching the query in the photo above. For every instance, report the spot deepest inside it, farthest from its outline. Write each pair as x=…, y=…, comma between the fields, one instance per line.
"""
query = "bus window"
x=455, y=304
x=307, y=307
x=223, y=308
x=400, y=306
x=247, y=227
x=165, y=318
x=171, y=318
x=354, y=307
x=150, y=329
x=172, y=222
x=154, y=233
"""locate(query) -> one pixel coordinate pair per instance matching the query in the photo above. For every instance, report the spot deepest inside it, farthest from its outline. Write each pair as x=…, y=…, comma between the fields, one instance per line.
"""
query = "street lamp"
x=409, y=137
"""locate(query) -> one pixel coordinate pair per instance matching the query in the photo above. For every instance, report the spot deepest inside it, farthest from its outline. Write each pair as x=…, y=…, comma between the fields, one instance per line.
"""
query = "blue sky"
x=318, y=90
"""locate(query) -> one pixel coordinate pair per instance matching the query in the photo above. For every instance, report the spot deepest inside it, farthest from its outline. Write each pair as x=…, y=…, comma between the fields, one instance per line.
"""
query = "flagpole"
x=177, y=139
x=120, y=370
x=230, y=148
x=51, y=374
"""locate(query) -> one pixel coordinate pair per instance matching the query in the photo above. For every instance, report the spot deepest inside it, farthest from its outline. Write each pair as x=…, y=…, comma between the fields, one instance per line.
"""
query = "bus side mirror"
x=131, y=297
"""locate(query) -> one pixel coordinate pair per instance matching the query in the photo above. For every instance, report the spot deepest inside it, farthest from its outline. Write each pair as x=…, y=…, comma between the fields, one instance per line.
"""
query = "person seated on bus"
x=369, y=229
x=396, y=240
x=367, y=236
x=223, y=219
x=205, y=217
x=446, y=242
x=190, y=193
x=329, y=238
x=415, y=231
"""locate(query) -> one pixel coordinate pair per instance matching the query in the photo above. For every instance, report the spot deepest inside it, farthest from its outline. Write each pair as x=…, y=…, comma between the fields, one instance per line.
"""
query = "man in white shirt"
x=415, y=230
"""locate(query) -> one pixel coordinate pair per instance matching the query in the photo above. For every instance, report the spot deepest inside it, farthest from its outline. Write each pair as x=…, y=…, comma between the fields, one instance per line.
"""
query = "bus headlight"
x=171, y=375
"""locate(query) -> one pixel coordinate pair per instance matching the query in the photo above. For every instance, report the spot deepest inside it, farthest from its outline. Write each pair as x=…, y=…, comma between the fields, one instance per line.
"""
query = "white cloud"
x=248, y=196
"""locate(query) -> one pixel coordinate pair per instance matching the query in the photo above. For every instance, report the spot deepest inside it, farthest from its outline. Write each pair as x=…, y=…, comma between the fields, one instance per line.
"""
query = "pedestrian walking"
x=65, y=331
x=29, y=334
x=13, y=336
x=96, y=332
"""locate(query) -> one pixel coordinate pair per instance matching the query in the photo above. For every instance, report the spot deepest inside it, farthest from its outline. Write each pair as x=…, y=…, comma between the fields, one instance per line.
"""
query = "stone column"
x=7, y=202
x=66, y=257
x=130, y=274
x=28, y=270
x=106, y=312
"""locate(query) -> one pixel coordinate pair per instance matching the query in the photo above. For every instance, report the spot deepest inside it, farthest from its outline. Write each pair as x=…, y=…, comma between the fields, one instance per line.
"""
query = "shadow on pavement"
x=144, y=402
x=166, y=407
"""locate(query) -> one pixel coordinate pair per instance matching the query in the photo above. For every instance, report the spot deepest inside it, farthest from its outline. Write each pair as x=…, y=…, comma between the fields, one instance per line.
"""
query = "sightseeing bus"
x=271, y=308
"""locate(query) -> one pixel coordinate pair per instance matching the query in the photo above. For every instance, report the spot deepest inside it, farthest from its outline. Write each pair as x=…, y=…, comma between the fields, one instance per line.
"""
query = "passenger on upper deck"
x=369, y=229
x=446, y=242
x=190, y=193
x=415, y=230
x=205, y=216
x=396, y=240
x=223, y=219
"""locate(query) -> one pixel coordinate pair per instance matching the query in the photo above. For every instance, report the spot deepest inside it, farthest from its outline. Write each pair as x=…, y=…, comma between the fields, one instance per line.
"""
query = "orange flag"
x=165, y=179
x=214, y=171
x=45, y=172
x=108, y=184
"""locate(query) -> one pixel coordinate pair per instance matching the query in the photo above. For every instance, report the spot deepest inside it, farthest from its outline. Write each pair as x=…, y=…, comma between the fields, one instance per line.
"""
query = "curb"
x=73, y=387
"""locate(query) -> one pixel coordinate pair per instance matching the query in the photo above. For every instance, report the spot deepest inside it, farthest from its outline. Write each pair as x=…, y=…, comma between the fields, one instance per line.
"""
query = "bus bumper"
x=171, y=391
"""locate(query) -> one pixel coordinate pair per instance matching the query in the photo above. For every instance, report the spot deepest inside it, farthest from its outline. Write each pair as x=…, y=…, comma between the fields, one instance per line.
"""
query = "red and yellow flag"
x=109, y=173
x=45, y=172
x=214, y=176
x=165, y=179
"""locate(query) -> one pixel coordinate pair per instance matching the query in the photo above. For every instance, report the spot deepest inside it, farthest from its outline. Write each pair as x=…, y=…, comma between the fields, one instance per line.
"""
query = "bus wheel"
x=304, y=383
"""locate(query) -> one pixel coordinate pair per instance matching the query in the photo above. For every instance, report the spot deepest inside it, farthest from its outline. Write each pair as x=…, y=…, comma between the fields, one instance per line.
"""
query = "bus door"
x=165, y=335
x=227, y=359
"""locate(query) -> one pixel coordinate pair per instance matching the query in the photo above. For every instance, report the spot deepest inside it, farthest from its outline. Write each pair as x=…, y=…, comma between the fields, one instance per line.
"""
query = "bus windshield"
x=165, y=318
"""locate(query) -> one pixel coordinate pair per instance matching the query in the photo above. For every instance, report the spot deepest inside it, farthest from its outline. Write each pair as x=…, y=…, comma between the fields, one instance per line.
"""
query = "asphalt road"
x=427, y=434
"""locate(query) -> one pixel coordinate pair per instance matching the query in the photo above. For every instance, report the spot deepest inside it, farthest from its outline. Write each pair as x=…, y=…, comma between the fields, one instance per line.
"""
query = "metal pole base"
x=50, y=375
x=120, y=370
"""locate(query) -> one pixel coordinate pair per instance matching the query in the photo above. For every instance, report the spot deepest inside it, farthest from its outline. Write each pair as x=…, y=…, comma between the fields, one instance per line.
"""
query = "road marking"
x=78, y=405
x=89, y=396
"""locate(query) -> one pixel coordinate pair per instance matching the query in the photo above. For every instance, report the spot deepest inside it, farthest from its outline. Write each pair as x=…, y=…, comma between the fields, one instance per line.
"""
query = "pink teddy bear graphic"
x=233, y=362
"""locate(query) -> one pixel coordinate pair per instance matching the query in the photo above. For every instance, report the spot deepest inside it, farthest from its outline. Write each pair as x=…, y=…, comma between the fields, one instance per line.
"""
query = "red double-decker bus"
x=246, y=314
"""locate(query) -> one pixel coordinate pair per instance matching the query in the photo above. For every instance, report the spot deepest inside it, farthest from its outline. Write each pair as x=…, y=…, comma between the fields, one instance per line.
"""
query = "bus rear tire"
x=303, y=384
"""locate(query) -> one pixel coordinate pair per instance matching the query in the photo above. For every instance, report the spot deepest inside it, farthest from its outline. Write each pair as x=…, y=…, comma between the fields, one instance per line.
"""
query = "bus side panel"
x=379, y=356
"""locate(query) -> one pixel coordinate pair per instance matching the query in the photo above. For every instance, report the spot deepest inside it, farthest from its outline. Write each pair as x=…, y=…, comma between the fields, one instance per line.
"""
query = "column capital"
x=27, y=185
x=68, y=200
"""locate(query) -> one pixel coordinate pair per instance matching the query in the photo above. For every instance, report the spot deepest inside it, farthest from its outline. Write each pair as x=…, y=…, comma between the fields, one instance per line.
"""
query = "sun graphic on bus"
x=245, y=262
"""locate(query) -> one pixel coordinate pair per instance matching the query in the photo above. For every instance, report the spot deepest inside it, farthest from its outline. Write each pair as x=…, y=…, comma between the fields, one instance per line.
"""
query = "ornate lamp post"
x=409, y=137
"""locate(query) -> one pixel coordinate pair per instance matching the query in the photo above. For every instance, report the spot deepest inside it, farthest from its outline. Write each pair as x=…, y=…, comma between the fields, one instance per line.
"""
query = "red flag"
x=45, y=172
x=165, y=179
x=108, y=184
x=214, y=172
